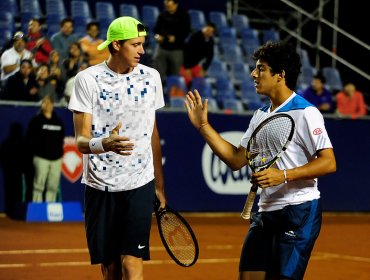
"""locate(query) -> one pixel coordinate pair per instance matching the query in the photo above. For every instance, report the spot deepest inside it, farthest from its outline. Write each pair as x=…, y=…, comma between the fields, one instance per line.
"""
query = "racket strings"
x=178, y=238
x=269, y=141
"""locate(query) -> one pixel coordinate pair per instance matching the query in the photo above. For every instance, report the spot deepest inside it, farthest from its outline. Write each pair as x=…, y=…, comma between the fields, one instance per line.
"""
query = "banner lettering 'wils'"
x=218, y=176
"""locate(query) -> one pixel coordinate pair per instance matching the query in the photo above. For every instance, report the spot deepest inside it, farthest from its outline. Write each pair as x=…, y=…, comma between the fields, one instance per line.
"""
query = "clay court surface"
x=58, y=250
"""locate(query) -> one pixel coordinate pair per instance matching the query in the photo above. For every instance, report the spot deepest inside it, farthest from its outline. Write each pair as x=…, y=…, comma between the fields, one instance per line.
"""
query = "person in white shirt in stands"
x=114, y=106
x=11, y=58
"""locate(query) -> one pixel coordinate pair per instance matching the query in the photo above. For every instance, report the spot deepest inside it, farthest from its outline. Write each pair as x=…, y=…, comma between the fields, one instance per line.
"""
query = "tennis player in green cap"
x=114, y=105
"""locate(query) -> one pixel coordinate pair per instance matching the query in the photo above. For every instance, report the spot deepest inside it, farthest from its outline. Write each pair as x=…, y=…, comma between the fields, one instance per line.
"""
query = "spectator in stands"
x=90, y=42
x=37, y=43
x=198, y=48
x=64, y=38
x=45, y=87
x=350, y=102
x=21, y=86
x=70, y=83
x=11, y=58
x=171, y=30
x=71, y=65
x=55, y=67
x=45, y=137
x=318, y=95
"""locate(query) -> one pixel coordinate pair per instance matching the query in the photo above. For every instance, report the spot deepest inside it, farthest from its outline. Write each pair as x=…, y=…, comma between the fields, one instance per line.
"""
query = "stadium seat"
x=249, y=96
x=203, y=86
x=80, y=9
x=232, y=53
x=7, y=21
x=10, y=6
x=129, y=10
x=224, y=90
x=79, y=25
x=305, y=60
x=104, y=10
x=217, y=69
x=333, y=78
x=55, y=7
x=218, y=18
x=233, y=105
x=28, y=6
x=177, y=102
x=149, y=15
x=25, y=19
x=305, y=78
x=250, y=42
x=227, y=36
x=5, y=37
x=197, y=19
x=239, y=71
x=175, y=86
x=239, y=22
x=270, y=35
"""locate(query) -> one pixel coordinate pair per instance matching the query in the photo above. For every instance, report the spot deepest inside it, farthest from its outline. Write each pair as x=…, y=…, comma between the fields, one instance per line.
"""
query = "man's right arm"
x=114, y=142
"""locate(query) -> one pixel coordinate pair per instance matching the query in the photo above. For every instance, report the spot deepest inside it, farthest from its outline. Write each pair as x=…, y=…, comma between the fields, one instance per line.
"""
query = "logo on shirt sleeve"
x=317, y=131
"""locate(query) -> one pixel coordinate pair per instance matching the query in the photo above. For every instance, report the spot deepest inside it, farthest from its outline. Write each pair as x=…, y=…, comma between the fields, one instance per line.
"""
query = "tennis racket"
x=267, y=144
x=177, y=236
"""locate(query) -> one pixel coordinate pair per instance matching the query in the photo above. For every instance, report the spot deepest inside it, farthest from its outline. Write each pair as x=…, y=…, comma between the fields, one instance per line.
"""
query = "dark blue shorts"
x=118, y=223
x=280, y=242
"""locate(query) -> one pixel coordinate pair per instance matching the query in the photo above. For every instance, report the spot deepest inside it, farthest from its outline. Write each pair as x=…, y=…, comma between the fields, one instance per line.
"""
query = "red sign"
x=72, y=166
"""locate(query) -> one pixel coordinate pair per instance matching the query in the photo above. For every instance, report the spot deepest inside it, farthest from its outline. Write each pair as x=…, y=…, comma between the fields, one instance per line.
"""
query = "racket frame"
x=162, y=212
x=247, y=210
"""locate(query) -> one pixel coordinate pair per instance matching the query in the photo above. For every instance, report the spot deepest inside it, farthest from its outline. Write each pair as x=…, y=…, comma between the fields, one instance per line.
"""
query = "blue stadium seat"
x=333, y=78
x=26, y=17
x=239, y=21
x=239, y=71
x=129, y=10
x=224, y=90
x=177, y=102
x=203, y=86
x=80, y=8
x=217, y=69
x=175, y=85
x=305, y=78
x=197, y=19
x=233, y=105
x=149, y=15
x=249, y=96
x=55, y=7
x=5, y=37
x=270, y=35
x=7, y=21
x=27, y=6
x=250, y=42
x=105, y=10
x=79, y=25
x=227, y=36
x=218, y=18
x=10, y=6
x=232, y=53
x=305, y=60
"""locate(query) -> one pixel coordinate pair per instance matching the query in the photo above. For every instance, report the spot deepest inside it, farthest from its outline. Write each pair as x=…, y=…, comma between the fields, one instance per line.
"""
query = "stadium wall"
x=196, y=180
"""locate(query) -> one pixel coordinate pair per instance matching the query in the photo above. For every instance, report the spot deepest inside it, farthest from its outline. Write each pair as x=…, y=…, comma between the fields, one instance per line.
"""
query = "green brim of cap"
x=103, y=45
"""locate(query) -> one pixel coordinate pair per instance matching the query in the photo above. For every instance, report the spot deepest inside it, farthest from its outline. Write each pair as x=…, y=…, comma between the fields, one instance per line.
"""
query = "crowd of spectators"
x=34, y=66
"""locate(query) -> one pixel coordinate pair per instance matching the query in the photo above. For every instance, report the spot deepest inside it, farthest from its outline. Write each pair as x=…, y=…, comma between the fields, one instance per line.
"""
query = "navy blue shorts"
x=280, y=242
x=118, y=223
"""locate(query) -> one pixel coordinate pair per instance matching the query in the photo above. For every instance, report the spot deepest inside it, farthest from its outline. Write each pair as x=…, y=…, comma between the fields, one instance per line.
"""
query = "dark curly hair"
x=281, y=56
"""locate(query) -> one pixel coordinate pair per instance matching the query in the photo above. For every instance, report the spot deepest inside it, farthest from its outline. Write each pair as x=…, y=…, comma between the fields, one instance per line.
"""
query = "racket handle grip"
x=247, y=211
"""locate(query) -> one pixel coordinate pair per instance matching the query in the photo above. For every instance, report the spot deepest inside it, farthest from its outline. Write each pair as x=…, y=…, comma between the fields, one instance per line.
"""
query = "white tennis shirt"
x=112, y=98
x=309, y=137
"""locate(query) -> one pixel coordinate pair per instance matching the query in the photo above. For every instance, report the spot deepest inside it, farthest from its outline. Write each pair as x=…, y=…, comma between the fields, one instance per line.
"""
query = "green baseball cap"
x=123, y=28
